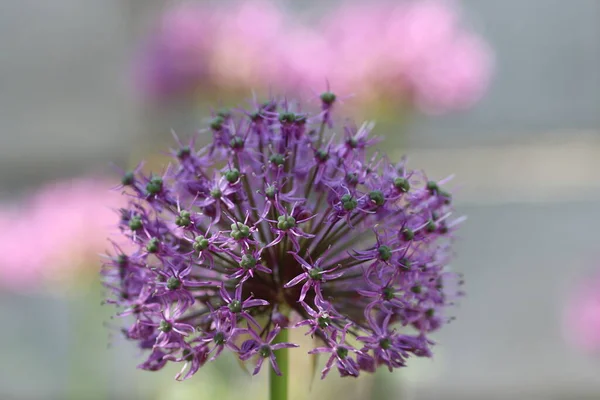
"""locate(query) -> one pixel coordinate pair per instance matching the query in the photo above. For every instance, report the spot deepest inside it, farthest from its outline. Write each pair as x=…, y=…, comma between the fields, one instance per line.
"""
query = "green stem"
x=278, y=385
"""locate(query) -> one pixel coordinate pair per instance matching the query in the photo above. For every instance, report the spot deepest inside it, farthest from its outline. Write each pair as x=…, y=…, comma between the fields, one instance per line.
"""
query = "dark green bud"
x=315, y=274
x=135, y=223
x=217, y=123
x=219, y=338
x=155, y=185
x=236, y=142
x=216, y=193
x=429, y=313
x=322, y=155
x=350, y=205
x=277, y=159
x=348, y=202
x=385, y=343
x=184, y=218
x=287, y=117
x=270, y=192
x=239, y=231
x=173, y=283
x=408, y=234
x=342, y=352
x=385, y=253
x=352, y=142
x=328, y=98
x=152, y=245
x=323, y=322
x=352, y=178
x=432, y=186
x=235, y=306
x=248, y=261
x=128, y=179
x=165, y=326
x=377, y=197
x=416, y=289
x=232, y=175
x=388, y=293
x=264, y=351
x=184, y=152
x=402, y=184
x=431, y=226
x=200, y=243
x=284, y=223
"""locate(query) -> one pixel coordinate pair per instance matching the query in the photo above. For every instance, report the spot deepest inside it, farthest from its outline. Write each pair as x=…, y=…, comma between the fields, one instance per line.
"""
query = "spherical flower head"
x=294, y=228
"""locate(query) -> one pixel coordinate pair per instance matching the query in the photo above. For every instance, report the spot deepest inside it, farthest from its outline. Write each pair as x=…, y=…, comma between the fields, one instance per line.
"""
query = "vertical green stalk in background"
x=88, y=376
x=278, y=385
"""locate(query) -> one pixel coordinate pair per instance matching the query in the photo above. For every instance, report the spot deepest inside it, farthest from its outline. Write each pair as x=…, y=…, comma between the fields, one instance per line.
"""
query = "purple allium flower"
x=281, y=224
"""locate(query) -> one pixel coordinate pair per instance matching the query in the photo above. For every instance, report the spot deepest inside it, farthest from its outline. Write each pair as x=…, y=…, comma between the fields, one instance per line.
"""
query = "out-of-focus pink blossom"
x=446, y=67
x=582, y=316
x=243, y=45
x=60, y=229
x=175, y=58
x=307, y=61
x=416, y=52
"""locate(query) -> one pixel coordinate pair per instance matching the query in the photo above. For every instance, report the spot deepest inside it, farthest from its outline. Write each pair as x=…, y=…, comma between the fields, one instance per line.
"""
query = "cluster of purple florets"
x=283, y=221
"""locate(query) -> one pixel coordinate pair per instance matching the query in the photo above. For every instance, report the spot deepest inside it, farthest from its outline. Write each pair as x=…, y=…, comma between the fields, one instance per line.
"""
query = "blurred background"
x=515, y=115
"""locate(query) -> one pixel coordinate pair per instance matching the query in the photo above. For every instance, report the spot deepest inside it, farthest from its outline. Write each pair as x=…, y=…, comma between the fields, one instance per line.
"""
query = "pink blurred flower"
x=243, y=52
x=61, y=228
x=308, y=61
x=446, y=67
x=582, y=316
x=176, y=56
x=418, y=52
